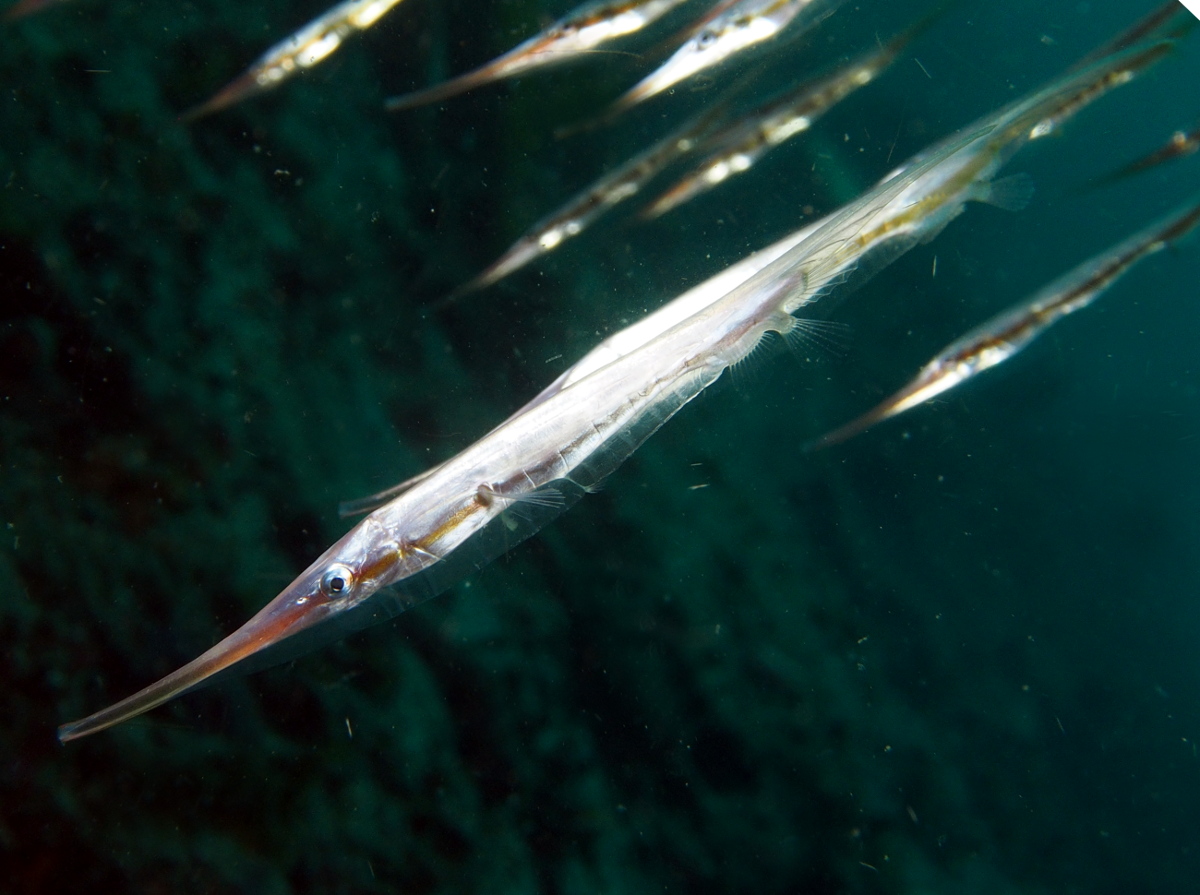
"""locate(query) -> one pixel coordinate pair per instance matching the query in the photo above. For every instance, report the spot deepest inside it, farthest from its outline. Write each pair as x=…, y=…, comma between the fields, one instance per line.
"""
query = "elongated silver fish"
x=623, y=182
x=308, y=47
x=1181, y=144
x=579, y=32
x=735, y=28
x=1004, y=335
x=737, y=148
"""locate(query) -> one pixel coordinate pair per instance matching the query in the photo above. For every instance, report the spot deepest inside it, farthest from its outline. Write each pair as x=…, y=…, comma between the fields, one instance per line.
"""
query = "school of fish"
x=421, y=536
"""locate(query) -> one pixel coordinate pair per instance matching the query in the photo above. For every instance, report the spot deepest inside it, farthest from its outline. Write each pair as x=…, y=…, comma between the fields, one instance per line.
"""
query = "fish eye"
x=336, y=581
x=706, y=39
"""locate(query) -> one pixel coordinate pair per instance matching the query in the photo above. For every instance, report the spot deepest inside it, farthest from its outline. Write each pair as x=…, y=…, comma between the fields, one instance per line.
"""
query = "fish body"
x=929, y=204
x=309, y=46
x=740, y=146
x=1047, y=110
x=1181, y=144
x=735, y=28
x=579, y=32
x=1009, y=332
x=582, y=210
x=623, y=342
x=1155, y=25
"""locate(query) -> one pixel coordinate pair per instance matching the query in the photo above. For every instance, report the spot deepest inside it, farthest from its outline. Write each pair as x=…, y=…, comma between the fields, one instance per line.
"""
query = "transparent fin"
x=819, y=286
x=590, y=474
x=854, y=273
x=828, y=337
x=1012, y=193
x=497, y=70
x=542, y=497
x=371, y=502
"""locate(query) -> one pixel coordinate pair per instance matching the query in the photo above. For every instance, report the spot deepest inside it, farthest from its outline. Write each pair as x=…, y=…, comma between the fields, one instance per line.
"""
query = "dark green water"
x=956, y=655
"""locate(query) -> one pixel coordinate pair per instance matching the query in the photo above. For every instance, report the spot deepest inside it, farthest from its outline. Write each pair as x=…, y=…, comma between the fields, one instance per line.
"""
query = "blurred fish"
x=734, y=28
x=1150, y=27
x=577, y=33
x=740, y=146
x=578, y=213
x=1009, y=332
x=1095, y=81
x=308, y=47
x=1182, y=143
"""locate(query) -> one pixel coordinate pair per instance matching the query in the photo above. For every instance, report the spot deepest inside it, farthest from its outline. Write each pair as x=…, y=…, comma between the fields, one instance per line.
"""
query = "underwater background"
x=954, y=655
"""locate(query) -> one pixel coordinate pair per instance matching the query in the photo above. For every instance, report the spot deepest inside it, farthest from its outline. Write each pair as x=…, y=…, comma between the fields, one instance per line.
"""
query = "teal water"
x=955, y=655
